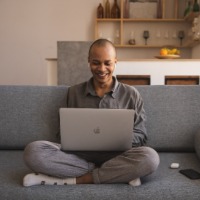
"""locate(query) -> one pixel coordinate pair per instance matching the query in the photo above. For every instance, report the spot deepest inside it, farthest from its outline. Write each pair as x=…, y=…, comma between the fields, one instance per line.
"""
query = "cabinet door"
x=181, y=80
x=134, y=79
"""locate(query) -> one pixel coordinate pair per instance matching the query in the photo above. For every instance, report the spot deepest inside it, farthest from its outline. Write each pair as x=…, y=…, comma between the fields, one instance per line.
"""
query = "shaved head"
x=100, y=43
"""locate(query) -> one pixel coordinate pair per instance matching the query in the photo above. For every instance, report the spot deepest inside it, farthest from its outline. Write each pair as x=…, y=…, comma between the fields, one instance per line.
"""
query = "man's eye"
x=94, y=63
x=108, y=64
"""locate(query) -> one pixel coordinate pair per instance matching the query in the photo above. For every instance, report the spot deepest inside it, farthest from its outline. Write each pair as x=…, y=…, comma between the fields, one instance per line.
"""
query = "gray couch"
x=29, y=113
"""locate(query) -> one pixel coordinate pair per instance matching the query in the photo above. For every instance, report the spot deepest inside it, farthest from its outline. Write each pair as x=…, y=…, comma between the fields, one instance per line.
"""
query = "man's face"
x=102, y=63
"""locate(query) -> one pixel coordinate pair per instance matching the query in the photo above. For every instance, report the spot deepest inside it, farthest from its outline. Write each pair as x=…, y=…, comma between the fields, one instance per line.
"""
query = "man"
x=101, y=91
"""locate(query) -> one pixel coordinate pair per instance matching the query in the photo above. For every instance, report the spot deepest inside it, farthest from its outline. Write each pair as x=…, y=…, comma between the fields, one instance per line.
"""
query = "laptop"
x=88, y=129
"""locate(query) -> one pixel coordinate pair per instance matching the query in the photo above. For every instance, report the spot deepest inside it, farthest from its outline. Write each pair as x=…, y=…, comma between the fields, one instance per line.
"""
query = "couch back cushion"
x=29, y=113
x=173, y=116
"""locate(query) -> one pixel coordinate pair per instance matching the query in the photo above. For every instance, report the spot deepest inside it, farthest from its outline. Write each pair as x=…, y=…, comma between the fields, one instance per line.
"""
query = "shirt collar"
x=90, y=89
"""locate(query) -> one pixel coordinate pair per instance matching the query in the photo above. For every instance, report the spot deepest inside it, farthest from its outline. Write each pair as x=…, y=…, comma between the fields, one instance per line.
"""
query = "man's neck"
x=102, y=88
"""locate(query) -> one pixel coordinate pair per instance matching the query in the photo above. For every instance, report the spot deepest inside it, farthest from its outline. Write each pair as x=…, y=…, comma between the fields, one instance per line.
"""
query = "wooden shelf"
x=149, y=46
x=137, y=46
x=137, y=20
x=151, y=20
x=108, y=20
x=123, y=25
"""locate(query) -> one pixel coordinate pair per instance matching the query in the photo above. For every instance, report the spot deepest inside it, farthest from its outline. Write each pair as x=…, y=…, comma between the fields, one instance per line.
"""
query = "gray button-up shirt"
x=121, y=96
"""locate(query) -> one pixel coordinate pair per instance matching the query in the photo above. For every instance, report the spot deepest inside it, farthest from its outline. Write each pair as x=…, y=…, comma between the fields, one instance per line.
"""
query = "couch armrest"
x=197, y=143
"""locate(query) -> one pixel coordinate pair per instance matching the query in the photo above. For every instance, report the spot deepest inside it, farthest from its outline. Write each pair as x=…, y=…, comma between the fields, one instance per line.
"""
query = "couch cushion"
x=165, y=183
x=173, y=116
x=29, y=113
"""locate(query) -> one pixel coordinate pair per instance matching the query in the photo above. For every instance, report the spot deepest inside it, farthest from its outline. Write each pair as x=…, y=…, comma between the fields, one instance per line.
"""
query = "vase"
x=195, y=6
x=159, y=9
x=100, y=11
x=107, y=9
x=115, y=11
x=126, y=9
x=188, y=8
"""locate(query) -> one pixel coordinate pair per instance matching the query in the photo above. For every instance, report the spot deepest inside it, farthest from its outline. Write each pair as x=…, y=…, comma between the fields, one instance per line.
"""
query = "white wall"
x=29, y=31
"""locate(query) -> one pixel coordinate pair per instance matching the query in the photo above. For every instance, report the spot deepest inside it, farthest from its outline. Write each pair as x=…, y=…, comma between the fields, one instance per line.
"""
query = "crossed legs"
x=59, y=167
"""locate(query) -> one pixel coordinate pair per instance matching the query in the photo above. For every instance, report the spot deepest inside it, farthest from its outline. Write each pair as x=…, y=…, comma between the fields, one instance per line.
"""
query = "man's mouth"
x=101, y=75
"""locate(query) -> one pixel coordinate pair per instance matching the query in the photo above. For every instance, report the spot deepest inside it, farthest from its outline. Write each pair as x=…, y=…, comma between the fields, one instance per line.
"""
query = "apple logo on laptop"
x=97, y=130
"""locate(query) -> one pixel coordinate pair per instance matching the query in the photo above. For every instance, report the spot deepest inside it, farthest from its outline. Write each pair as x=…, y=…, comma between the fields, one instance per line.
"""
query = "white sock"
x=135, y=182
x=41, y=179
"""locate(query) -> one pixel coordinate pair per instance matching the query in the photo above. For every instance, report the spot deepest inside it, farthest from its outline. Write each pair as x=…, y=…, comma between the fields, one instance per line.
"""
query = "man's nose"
x=101, y=66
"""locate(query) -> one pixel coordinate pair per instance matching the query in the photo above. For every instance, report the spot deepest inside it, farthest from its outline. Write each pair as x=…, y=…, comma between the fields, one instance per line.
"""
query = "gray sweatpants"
x=106, y=167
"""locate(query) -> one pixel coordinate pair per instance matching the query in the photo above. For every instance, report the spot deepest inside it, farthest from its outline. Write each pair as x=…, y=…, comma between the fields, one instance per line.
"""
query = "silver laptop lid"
x=86, y=129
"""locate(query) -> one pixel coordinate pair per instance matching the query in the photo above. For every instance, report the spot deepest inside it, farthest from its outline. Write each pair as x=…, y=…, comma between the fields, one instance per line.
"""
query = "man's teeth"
x=102, y=75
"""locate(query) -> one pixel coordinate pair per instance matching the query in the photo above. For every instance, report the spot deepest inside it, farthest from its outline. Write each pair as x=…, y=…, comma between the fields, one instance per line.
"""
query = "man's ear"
x=115, y=63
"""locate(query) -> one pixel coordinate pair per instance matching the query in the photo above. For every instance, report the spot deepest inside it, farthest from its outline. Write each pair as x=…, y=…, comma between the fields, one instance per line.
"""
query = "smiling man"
x=53, y=166
x=102, y=60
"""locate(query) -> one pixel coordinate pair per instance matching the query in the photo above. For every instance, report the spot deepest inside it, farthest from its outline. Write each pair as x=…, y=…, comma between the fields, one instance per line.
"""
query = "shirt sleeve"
x=139, y=130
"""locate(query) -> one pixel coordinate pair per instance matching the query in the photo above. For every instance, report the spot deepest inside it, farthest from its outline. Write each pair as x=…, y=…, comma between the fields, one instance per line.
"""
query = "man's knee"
x=146, y=158
x=35, y=152
x=152, y=159
x=32, y=153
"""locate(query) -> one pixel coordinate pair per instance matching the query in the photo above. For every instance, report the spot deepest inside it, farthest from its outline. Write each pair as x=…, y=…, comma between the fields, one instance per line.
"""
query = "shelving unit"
x=108, y=28
x=151, y=20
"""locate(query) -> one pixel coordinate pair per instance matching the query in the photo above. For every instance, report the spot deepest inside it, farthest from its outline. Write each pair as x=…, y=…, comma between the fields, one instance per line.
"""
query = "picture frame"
x=148, y=8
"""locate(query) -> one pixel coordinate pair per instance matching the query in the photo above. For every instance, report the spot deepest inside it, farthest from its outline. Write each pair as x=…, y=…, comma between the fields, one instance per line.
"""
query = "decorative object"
x=188, y=8
x=132, y=42
x=146, y=36
x=117, y=38
x=168, y=53
x=168, y=57
x=100, y=11
x=132, y=38
x=196, y=29
x=196, y=6
x=159, y=9
x=107, y=9
x=126, y=8
x=181, y=35
x=115, y=11
x=144, y=9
